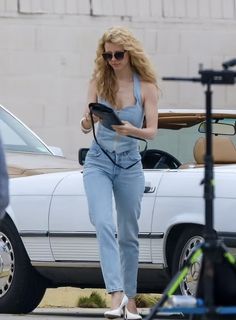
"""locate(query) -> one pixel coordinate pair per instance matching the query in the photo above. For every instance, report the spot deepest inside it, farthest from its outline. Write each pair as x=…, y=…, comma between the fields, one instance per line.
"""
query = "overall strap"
x=137, y=88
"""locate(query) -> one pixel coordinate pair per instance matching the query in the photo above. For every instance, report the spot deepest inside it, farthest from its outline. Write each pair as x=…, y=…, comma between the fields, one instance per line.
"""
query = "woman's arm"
x=85, y=122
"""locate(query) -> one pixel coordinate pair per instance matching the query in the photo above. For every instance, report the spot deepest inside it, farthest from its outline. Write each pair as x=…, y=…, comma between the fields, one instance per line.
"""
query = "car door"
x=146, y=233
x=72, y=236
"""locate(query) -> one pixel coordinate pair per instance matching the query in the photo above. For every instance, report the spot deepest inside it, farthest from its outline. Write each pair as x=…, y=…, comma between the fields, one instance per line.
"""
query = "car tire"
x=189, y=239
x=21, y=287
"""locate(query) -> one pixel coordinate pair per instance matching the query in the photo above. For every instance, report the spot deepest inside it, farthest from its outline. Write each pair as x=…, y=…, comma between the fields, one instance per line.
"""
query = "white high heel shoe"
x=132, y=316
x=118, y=312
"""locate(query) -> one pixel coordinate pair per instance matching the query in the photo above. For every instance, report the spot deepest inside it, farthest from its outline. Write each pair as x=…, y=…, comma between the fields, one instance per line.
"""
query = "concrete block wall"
x=47, y=48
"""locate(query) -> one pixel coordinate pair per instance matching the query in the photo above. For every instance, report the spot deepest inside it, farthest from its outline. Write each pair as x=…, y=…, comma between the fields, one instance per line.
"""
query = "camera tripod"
x=216, y=288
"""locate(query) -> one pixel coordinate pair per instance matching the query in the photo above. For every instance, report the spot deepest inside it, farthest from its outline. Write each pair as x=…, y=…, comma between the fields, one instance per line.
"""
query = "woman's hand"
x=127, y=129
x=86, y=122
x=88, y=118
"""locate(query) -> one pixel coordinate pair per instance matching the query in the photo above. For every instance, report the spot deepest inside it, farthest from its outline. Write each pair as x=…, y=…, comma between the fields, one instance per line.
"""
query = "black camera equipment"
x=216, y=287
x=230, y=63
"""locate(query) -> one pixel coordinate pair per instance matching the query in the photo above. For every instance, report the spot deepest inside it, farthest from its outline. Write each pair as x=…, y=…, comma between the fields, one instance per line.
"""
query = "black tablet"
x=107, y=115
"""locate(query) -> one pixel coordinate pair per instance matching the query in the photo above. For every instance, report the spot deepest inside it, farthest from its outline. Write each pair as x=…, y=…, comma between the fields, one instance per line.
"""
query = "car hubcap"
x=6, y=264
x=189, y=284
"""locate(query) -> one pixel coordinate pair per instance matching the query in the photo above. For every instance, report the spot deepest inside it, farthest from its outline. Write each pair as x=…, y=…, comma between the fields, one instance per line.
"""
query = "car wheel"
x=187, y=242
x=21, y=287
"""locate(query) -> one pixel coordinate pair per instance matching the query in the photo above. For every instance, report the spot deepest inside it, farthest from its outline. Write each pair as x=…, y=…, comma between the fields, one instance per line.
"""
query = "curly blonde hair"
x=104, y=75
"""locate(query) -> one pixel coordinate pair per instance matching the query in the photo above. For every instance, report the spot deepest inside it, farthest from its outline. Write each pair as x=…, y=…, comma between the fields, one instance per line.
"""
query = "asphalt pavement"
x=70, y=314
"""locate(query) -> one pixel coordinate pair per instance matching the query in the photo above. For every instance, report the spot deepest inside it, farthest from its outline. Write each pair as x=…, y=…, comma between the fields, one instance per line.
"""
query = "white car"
x=47, y=240
x=26, y=153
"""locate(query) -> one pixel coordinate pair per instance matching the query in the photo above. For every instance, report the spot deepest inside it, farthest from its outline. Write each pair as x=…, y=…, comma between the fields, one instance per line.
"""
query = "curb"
x=86, y=312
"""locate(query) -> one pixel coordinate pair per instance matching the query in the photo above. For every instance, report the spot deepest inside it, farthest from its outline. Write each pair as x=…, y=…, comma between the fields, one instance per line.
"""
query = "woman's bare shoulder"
x=92, y=91
x=148, y=85
x=148, y=89
x=92, y=83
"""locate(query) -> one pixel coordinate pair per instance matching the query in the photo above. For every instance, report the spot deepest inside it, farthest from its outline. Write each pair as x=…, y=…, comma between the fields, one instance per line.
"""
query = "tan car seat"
x=223, y=150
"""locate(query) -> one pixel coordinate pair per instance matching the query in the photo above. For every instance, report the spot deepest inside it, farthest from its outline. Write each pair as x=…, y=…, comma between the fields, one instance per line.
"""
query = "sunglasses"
x=119, y=55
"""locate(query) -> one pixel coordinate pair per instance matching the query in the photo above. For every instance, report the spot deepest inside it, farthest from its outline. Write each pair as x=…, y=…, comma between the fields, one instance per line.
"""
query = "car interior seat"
x=223, y=150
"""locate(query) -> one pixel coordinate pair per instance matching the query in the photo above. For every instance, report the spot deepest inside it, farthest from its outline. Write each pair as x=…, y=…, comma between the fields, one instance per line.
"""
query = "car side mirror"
x=82, y=155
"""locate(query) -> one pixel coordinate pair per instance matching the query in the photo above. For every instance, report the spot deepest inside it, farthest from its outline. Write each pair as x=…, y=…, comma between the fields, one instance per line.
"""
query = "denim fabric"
x=109, y=139
x=102, y=179
x=4, y=193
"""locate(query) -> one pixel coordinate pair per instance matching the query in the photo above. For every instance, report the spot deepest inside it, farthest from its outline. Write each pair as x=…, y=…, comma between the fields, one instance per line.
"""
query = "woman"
x=124, y=80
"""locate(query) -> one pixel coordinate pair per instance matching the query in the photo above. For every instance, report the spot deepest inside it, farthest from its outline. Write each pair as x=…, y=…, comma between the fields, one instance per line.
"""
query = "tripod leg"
x=170, y=289
x=175, y=282
x=229, y=257
x=217, y=280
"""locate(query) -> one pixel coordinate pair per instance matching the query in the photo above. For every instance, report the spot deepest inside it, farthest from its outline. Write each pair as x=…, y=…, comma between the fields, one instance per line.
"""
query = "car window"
x=180, y=143
x=231, y=121
x=16, y=137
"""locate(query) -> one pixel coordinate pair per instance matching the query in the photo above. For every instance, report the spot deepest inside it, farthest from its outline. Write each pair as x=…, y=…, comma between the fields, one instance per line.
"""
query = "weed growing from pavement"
x=146, y=300
x=95, y=300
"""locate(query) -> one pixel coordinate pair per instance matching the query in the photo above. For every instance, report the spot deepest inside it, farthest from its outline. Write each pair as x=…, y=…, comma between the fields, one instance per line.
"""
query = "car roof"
x=181, y=118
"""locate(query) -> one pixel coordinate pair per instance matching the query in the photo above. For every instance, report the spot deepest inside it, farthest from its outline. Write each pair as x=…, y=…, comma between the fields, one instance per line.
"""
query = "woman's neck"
x=124, y=75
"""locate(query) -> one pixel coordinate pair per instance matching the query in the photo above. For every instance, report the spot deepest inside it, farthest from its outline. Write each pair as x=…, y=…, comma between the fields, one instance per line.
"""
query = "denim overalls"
x=102, y=179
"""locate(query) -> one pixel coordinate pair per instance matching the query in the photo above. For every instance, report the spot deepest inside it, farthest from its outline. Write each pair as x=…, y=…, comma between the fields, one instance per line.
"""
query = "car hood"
x=27, y=164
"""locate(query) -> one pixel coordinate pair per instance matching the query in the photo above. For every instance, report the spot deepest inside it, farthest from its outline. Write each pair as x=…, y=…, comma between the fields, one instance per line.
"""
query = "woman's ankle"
x=131, y=306
x=116, y=298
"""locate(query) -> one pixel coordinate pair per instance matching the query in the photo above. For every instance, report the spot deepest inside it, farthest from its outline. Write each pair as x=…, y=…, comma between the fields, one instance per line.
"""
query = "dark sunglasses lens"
x=119, y=55
x=107, y=56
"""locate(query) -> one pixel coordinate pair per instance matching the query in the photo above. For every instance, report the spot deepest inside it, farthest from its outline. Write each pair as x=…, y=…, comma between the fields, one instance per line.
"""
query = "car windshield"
x=18, y=138
x=180, y=143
